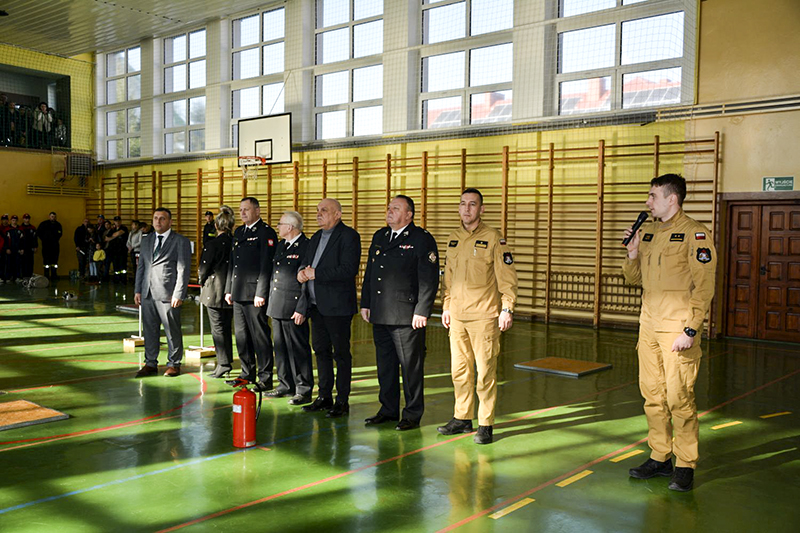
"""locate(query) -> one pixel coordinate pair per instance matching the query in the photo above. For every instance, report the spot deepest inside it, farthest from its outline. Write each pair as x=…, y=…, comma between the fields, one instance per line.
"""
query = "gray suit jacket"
x=168, y=276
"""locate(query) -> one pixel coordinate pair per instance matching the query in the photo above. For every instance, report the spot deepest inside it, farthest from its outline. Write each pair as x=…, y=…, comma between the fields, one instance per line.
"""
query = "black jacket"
x=213, y=270
x=251, y=262
x=402, y=277
x=209, y=232
x=335, y=284
x=286, y=294
x=49, y=232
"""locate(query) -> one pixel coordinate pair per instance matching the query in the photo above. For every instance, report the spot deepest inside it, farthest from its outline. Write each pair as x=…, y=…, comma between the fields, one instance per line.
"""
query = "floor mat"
x=22, y=413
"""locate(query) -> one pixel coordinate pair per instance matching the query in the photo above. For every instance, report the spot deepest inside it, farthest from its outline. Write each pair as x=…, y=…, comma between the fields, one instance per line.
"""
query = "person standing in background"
x=134, y=244
x=30, y=243
x=49, y=233
x=82, y=249
x=210, y=229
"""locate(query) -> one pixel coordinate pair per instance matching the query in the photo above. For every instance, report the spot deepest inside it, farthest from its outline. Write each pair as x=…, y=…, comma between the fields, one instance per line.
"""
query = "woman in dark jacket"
x=213, y=272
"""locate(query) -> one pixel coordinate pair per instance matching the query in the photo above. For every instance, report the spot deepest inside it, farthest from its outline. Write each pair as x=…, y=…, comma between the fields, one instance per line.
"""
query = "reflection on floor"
x=155, y=454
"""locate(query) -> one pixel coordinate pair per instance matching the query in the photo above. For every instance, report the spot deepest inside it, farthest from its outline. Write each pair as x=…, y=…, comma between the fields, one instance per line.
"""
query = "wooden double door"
x=763, y=290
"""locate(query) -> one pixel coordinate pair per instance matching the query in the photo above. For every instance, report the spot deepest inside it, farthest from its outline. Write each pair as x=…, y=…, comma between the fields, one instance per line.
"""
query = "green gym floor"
x=155, y=454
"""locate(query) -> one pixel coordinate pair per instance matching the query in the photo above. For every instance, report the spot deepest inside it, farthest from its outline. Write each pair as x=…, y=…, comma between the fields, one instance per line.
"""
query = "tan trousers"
x=474, y=344
x=666, y=380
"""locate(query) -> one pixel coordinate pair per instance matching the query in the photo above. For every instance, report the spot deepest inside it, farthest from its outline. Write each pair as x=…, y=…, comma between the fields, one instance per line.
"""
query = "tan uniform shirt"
x=479, y=275
x=675, y=266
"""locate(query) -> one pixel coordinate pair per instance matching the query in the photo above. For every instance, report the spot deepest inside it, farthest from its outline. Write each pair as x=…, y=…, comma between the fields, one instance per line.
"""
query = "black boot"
x=652, y=468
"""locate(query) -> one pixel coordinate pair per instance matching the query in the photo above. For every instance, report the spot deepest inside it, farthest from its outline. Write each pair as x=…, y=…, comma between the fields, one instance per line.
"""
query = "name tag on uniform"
x=481, y=244
x=452, y=244
x=676, y=237
x=647, y=237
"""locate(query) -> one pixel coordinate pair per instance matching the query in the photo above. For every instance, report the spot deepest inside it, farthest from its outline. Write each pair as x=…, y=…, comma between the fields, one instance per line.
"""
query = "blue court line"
x=155, y=472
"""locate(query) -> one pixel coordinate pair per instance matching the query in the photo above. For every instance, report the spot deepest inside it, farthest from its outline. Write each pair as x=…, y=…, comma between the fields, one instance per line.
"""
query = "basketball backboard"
x=269, y=137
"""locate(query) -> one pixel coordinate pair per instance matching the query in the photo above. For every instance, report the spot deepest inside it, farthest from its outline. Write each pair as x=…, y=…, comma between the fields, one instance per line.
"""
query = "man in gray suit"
x=162, y=280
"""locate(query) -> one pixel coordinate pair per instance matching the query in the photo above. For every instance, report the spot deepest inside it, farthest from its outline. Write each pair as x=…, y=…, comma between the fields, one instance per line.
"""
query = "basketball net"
x=250, y=166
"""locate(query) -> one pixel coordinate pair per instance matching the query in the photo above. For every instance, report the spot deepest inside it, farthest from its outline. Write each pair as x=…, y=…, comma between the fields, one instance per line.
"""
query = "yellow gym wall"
x=18, y=169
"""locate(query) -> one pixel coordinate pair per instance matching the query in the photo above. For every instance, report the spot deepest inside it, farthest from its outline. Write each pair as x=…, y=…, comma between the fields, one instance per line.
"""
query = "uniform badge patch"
x=647, y=237
x=293, y=256
x=270, y=242
x=452, y=244
x=507, y=258
x=700, y=236
x=704, y=255
x=503, y=242
x=481, y=244
x=377, y=252
x=406, y=246
x=432, y=257
x=676, y=237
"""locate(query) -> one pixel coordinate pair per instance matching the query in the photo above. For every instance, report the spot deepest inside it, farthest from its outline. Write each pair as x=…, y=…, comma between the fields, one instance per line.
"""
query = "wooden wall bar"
x=562, y=208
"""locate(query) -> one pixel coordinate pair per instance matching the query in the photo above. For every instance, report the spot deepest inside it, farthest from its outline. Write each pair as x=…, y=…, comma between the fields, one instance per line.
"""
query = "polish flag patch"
x=270, y=242
x=699, y=236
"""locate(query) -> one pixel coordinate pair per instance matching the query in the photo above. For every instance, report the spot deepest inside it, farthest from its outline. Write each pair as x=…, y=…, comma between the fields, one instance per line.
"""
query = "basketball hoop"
x=250, y=166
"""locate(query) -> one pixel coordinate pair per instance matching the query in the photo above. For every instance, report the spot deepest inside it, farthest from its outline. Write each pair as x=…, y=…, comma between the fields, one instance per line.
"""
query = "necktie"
x=158, y=247
x=393, y=237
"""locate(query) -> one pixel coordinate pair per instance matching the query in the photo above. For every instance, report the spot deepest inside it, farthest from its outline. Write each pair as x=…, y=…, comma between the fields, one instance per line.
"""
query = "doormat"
x=561, y=366
x=21, y=413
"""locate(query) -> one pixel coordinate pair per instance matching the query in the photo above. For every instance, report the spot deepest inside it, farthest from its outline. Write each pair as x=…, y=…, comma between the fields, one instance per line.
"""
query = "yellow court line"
x=626, y=456
x=773, y=415
x=511, y=508
x=729, y=424
x=574, y=478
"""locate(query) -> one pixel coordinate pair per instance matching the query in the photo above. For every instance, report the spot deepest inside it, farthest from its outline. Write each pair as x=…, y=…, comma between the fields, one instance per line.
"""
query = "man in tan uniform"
x=480, y=289
x=675, y=261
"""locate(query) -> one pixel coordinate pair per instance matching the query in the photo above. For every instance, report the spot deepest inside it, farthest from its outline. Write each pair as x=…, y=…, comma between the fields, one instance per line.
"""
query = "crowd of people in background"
x=108, y=250
x=31, y=127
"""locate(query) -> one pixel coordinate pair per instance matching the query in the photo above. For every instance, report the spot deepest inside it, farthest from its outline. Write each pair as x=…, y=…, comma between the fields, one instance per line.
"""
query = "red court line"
x=115, y=426
x=518, y=497
x=373, y=465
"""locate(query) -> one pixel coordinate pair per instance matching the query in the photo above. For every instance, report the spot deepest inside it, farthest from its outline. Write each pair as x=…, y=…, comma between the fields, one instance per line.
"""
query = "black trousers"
x=400, y=348
x=330, y=338
x=83, y=261
x=26, y=264
x=253, y=341
x=221, y=319
x=293, y=357
x=50, y=253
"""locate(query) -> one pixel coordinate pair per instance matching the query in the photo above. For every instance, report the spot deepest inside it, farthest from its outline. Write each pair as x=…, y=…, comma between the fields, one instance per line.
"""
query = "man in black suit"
x=330, y=268
x=397, y=296
x=288, y=307
x=247, y=289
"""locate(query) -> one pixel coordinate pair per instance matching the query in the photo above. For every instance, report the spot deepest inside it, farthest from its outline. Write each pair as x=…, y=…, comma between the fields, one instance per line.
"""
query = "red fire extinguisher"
x=245, y=414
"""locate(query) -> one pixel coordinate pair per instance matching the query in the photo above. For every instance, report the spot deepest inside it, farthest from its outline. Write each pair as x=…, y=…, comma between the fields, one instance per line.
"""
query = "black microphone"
x=636, y=225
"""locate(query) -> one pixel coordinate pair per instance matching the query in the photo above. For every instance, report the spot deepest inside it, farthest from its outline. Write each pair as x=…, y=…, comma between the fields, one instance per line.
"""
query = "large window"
x=123, y=133
x=123, y=75
x=184, y=62
x=472, y=84
x=348, y=98
x=123, y=84
x=635, y=59
x=184, y=122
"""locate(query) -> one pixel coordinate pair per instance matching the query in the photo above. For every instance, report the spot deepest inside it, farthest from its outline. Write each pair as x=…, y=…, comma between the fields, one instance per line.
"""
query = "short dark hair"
x=673, y=184
x=252, y=199
x=164, y=210
x=409, y=201
x=473, y=190
x=53, y=213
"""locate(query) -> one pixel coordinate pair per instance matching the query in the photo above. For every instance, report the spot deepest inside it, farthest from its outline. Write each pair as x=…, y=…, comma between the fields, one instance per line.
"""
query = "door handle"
x=763, y=270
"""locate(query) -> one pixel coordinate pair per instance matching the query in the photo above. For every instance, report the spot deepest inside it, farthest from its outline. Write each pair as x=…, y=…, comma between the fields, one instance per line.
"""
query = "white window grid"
x=351, y=107
x=187, y=134
x=354, y=116
x=269, y=101
x=263, y=81
x=125, y=76
x=124, y=142
x=610, y=78
x=189, y=71
x=459, y=113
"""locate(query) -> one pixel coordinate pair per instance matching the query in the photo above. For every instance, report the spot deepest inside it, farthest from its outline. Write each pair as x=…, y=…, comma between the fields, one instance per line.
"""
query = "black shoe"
x=277, y=393
x=320, y=404
x=682, y=479
x=299, y=399
x=652, y=468
x=262, y=387
x=406, y=424
x=220, y=372
x=379, y=419
x=484, y=435
x=338, y=410
x=455, y=426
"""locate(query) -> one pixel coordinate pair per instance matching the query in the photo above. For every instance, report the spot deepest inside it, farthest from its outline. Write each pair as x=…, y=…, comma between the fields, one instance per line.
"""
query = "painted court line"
x=573, y=479
x=511, y=508
x=624, y=456
x=546, y=484
x=729, y=424
x=773, y=415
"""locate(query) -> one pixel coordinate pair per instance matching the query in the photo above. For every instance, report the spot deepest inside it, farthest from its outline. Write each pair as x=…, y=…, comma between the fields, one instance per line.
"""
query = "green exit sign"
x=778, y=184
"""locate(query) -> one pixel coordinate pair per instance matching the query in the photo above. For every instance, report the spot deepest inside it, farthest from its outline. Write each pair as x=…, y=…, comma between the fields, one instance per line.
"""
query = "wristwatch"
x=507, y=310
x=690, y=332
